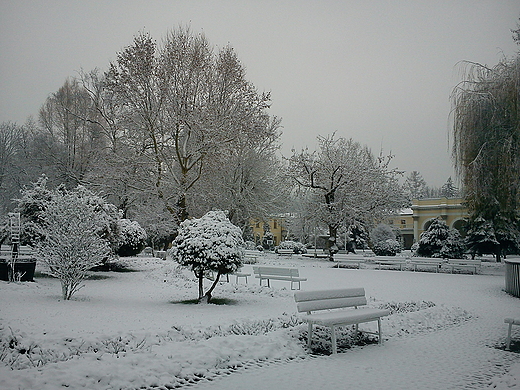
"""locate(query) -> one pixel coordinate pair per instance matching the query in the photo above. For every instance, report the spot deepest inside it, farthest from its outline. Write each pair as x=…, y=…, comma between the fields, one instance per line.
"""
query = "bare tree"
x=71, y=141
x=415, y=186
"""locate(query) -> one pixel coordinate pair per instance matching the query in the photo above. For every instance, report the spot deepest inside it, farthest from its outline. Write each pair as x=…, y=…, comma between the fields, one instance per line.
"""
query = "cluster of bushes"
x=384, y=242
x=73, y=231
x=296, y=247
x=438, y=241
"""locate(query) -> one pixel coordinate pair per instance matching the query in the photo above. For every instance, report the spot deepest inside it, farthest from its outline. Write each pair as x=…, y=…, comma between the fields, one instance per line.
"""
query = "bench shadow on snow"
x=514, y=347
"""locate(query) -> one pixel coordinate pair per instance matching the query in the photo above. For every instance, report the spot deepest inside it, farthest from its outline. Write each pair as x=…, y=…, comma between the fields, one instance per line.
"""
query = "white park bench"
x=354, y=261
x=464, y=264
x=337, y=307
x=388, y=261
x=251, y=257
x=426, y=262
x=278, y=273
x=511, y=322
x=285, y=252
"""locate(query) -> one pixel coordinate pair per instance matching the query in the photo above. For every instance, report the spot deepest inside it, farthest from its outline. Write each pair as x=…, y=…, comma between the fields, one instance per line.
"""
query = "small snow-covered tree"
x=480, y=237
x=35, y=200
x=132, y=238
x=440, y=241
x=71, y=243
x=209, y=244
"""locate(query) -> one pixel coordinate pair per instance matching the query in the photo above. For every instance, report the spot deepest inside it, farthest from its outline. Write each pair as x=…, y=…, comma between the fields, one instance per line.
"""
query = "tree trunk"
x=200, y=276
x=182, y=209
x=207, y=297
x=332, y=246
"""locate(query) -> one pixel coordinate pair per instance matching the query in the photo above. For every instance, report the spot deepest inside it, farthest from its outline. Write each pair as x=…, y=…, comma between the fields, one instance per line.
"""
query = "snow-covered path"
x=463, y=357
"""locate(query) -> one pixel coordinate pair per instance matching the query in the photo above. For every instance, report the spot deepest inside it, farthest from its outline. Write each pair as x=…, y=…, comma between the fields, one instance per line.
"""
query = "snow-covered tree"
x=486, y=145
x=209, y=244
x=415, y=186
x=349, y=183
x=132, y=237
x=440, y=241
x=184, y=103
x=449, y=190
x=71, y=241
x=480, y=237
x=35, y=199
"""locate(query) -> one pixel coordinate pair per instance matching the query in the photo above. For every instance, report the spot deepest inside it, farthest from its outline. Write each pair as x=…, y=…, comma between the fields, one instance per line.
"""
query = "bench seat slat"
x=345, y=317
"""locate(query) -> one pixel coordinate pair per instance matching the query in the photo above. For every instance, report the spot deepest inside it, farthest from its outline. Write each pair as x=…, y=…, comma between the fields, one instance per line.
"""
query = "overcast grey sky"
x=380, y=72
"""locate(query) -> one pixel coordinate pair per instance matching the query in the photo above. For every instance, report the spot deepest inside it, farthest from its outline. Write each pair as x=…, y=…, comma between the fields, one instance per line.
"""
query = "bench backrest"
x=276, y=271
x=464, y=262
x=307, y=301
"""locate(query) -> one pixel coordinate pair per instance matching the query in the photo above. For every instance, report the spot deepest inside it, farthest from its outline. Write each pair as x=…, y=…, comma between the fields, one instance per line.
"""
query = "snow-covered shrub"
x=414, y=248
x=209, y=244
x=296, y=247
x=71, y=242
x=440, y=241
x=249, y=245
x=381, y=232
x=383, y=241
x=132, y=238
x=260, y=248
x=268, y=241
x=388, y=247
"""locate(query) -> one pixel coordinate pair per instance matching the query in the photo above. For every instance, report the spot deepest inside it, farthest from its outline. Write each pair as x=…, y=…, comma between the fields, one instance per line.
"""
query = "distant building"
x=414, y=221
x=277, y=228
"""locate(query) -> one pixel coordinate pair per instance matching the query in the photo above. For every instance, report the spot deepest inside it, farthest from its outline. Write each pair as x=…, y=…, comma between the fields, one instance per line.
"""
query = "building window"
x=275, y=225
x=403, y=221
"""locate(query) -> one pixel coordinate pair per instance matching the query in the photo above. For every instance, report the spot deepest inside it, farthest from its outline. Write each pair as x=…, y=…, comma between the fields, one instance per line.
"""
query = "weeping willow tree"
x=486, y=146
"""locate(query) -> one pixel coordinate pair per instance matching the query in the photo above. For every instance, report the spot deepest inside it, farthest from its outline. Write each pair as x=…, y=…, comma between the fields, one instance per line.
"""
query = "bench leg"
x=309, y=335
x=508, y=339
x=334, y=343
x=379, y=331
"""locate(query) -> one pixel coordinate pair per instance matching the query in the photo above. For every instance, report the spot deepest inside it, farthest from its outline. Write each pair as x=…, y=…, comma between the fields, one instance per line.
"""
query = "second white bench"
x=278, y=273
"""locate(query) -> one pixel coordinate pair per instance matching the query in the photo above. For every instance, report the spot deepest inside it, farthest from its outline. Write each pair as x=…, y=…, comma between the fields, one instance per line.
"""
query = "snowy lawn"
x=132, y=330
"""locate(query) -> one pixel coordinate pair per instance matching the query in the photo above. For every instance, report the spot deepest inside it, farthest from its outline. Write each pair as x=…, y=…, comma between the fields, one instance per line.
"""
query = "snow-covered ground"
x=132, y=330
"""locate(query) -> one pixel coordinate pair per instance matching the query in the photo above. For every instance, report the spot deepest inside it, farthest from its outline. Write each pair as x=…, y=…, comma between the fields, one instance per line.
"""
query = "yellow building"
x=277, y=227
x=414, y=221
